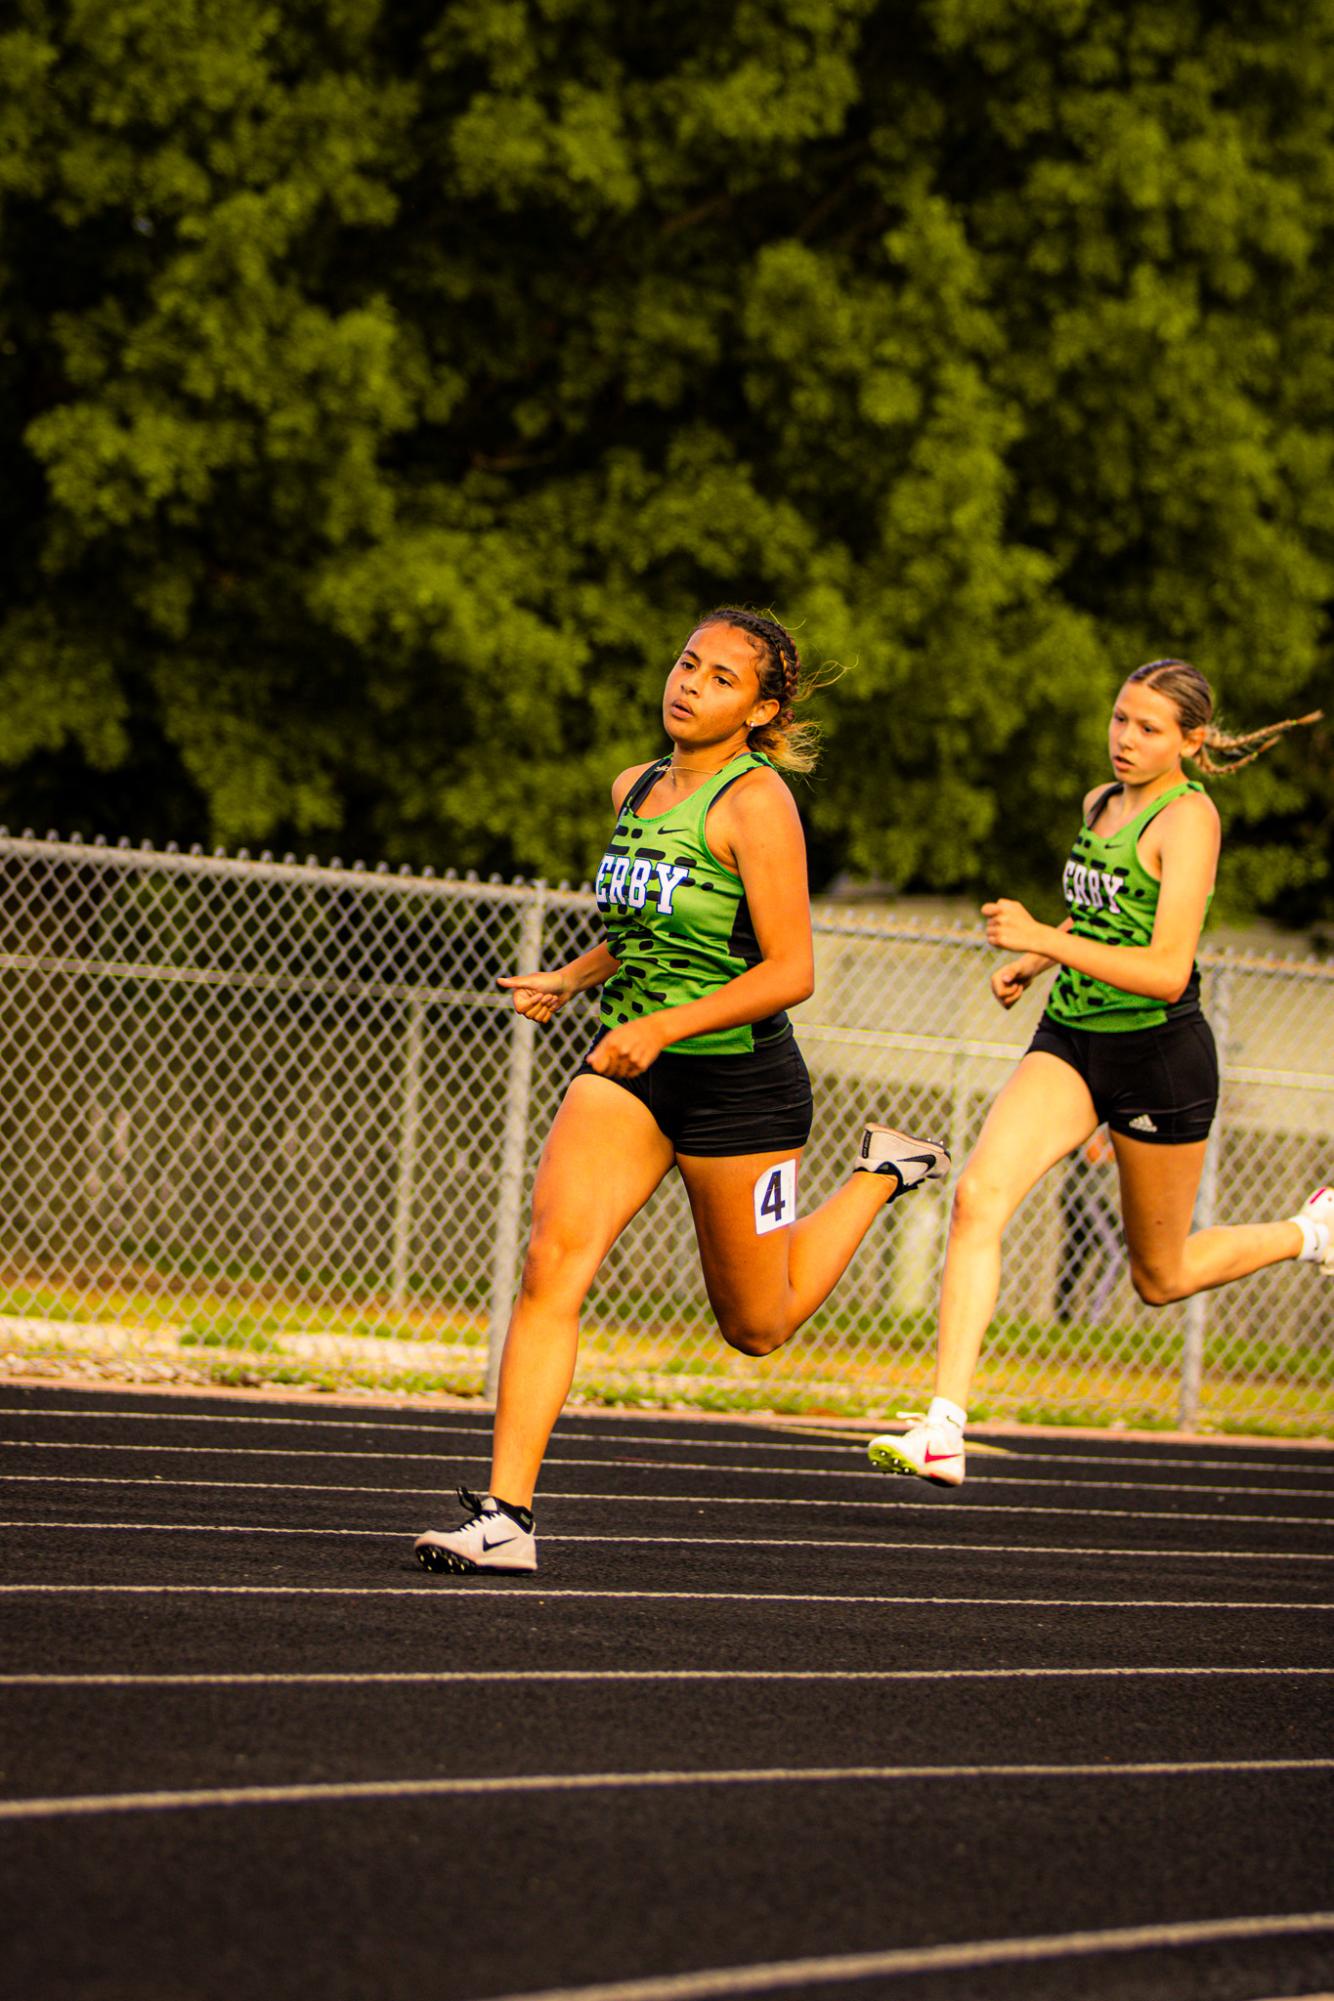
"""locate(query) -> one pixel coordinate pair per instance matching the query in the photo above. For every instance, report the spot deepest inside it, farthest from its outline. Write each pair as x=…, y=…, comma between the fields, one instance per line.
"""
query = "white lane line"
x=593, y=1782
x=595, y=1676
x=974, y=1510
x=868, y=1473
x=834, y=1442
x=808, y=1974
x=481, y=1429
x=463, y=1588
x=903, y=1545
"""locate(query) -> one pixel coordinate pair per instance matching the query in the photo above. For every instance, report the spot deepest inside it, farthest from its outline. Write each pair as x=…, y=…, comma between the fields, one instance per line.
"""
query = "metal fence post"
x=407, y=1149
x=1206, y=1203
x=513, y=1147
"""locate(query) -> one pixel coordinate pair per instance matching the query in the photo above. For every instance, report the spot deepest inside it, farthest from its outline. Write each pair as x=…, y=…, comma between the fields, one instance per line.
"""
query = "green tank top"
x=1113, y=898
x=675, y=919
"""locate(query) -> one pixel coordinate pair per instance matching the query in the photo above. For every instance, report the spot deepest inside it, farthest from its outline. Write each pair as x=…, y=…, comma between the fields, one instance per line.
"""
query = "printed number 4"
x=775, y=1197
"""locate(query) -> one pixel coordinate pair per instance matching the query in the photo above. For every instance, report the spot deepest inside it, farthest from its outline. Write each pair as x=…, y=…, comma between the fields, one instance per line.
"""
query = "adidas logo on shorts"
x=1143, y=1124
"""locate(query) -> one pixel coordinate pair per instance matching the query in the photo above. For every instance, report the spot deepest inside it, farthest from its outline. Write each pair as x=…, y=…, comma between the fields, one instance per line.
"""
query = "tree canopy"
x=386, y=387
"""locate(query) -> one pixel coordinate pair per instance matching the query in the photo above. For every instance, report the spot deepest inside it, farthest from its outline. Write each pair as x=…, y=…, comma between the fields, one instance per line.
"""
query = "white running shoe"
x=1319, y=1208
x=490, y=1539
x=931, y=1449
x=884, y=1151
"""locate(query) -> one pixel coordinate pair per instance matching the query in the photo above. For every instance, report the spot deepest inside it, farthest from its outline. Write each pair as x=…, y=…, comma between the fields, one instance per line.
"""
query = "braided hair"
x=791, y=745
x=1193, y=699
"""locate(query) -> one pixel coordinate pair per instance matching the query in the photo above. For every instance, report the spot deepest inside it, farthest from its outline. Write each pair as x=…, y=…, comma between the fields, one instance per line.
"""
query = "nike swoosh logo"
x=931, y=1457
x=496, y=1541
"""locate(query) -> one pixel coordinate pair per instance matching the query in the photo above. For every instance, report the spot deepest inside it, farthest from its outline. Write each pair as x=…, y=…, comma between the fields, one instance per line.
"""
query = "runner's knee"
x=751, y=1337
x=1154, y=1286
x=556, y=1263
x=978, y=1204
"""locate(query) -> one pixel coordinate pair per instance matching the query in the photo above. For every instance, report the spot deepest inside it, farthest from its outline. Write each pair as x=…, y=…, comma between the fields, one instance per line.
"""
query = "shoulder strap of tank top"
x=1096, y=810
x=1155, y=806
x=643, y=785
x=754, y=760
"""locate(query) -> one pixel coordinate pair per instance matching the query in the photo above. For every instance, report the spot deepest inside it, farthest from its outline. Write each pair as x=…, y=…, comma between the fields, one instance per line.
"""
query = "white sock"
x=1315, y=1240
x=941, y=1411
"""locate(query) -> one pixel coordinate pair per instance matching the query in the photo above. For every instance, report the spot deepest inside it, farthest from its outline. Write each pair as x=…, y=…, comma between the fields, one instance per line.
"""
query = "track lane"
x=379, y=1896
x=1038, y=1451
x=76, y=1740
x=992, y=1477
x=384, y=1897
x=76, y=1559
x=1009, y=1519
x=466, y=1629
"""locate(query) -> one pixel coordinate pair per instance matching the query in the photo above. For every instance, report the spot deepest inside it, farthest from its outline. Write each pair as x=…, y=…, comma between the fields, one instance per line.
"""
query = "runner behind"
x=1123, y=1040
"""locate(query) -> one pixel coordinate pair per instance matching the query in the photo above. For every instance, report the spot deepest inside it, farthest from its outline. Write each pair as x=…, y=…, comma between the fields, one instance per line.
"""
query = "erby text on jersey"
x=625, y=882
x=1092, y=888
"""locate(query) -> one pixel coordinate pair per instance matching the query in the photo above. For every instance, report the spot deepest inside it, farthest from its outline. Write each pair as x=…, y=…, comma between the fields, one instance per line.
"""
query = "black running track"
x=766, y=1722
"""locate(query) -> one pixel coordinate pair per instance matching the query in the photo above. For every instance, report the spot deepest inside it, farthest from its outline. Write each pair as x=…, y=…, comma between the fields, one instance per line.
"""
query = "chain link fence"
x=264, y=1121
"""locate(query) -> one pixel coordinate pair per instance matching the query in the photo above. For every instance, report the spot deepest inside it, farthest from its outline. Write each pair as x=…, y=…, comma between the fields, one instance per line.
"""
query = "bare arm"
x=538, y=996
x=1185, y=849
x=1009, y=982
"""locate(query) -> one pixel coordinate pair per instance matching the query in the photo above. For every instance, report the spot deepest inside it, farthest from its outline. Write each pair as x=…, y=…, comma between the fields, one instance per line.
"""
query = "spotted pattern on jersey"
x=1112, y=898
x=675, y=919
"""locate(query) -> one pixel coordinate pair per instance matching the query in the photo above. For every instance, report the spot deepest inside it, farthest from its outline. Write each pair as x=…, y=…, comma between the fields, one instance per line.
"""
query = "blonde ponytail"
x=1193, y=699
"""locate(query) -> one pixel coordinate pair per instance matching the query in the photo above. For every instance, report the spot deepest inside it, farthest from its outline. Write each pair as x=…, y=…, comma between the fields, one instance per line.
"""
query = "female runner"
x=1122, y=1040
x=703, y=897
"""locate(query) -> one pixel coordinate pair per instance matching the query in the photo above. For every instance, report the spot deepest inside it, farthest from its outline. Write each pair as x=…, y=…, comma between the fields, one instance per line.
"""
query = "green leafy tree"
x=386, y=388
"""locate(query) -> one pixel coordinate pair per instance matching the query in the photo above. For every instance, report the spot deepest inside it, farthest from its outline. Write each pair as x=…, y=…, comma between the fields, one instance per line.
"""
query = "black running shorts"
x=1155, y=1084
x=718, y=1105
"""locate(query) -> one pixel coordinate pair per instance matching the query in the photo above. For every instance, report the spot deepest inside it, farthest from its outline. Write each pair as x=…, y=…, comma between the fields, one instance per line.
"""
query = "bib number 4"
x=776, y=1198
